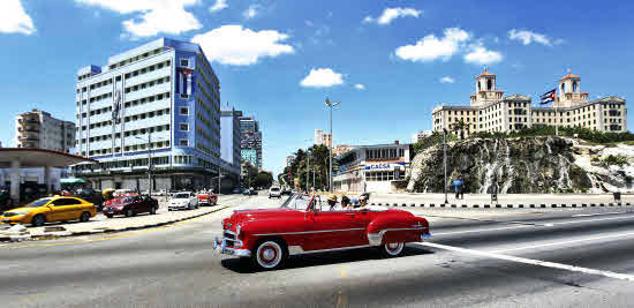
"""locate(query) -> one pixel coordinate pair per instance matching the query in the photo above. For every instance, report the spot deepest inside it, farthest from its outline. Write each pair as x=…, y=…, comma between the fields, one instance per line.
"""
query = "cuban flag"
x=548, y=97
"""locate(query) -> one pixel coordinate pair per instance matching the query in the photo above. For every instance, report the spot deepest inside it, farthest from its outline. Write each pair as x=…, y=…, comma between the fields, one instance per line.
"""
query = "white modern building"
x=372, y=168
x=37, y=129
x=160, y=100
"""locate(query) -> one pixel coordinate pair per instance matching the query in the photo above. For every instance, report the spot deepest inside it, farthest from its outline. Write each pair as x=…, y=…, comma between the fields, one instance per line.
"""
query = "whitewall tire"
x=269, y=255
x=392, y=249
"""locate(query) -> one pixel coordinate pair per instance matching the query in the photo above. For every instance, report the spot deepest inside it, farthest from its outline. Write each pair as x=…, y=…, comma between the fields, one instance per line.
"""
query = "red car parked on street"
x=130, y=205
x=268, y=236
x=207, y=198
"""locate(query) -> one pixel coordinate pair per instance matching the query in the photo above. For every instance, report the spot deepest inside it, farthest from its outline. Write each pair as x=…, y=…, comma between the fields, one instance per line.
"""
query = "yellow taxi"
x=50, y=209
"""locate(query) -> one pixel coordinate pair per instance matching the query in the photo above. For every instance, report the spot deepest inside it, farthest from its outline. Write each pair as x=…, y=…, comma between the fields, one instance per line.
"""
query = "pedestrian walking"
x=457, y=186
x=462, y=186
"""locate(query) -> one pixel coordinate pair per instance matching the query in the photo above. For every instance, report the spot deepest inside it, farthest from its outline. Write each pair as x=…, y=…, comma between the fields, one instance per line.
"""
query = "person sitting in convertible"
x=332, y=201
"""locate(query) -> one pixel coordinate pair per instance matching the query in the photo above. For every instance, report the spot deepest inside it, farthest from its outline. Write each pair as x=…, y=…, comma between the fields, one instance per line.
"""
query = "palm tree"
x=460, y=126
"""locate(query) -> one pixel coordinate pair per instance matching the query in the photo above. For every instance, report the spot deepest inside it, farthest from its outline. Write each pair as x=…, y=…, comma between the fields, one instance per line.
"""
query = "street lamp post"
x=307, y=169
x=330, y=105
x=444, y=159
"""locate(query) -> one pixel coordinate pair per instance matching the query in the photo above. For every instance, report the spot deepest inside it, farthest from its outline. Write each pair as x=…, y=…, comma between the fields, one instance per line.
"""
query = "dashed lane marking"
x=559, y=266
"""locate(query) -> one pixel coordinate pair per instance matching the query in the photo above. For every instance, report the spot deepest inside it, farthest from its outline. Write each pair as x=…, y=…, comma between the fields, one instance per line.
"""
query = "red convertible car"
x=207, y=198
x=268, y=236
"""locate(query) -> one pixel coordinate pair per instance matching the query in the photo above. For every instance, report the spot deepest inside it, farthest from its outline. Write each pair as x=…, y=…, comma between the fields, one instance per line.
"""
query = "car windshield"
x=39, y=202
x=298, y=202
x=275, y=189
x=181, y=196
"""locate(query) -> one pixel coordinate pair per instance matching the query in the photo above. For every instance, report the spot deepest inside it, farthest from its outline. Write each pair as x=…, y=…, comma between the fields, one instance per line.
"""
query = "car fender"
x=394, y=228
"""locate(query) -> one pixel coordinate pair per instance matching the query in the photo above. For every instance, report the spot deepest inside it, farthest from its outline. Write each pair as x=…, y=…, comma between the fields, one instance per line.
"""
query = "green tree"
x=263, y=179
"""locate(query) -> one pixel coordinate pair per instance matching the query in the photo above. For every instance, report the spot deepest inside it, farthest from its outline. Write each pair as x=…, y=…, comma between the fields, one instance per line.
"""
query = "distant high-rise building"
x=160, y=99
x=38, y=129
x=251, y=141
x=290, y=159
x=420, y=135
x=230, y=136
x=322, y=138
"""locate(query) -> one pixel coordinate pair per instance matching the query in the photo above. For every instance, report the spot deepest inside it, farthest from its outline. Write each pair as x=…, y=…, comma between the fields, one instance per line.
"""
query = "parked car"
x=183, y=201
x=207, y=198
x=50, y=209
x=130, y=206
x=268, y=236
x=275, y=192
x=286, y=191
x=93, y=196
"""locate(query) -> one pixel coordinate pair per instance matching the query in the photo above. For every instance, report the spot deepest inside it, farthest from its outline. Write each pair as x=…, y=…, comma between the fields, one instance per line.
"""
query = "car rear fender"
x=394, y=229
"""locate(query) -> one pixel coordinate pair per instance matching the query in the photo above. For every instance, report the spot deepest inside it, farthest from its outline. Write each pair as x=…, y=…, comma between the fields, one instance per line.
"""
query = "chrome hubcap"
x=269, y=254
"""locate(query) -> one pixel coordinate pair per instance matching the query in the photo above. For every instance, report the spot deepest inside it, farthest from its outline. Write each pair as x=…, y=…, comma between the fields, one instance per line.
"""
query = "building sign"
x=383, y=166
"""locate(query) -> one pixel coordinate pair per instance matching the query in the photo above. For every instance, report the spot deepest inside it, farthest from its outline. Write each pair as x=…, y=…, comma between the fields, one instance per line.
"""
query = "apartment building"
x=153, y=108
x=38, y=129
x=490, y=111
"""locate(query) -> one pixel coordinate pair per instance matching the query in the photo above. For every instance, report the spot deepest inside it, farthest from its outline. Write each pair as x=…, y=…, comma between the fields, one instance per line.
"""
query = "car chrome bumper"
x=425, y=236
x=220, y=246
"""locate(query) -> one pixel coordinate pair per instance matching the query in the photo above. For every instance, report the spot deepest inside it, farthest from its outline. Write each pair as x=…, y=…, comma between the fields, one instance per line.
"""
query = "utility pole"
x=444, y=158
x=149, y=162
x=330, y=105
x=307, y=169
x=219, y=179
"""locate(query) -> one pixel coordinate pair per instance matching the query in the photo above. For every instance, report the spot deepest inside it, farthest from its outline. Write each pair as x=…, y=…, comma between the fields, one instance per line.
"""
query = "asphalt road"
x=475, y=258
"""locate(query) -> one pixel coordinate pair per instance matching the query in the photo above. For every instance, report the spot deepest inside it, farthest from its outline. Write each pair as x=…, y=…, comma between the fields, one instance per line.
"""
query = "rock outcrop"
x=525, y=165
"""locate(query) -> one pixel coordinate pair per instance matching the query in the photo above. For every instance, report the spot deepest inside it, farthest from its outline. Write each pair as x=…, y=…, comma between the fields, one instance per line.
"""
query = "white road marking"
x=597, y=214
x=482, y=230
x=561, y=243
x=577, y=221
x=548, y=264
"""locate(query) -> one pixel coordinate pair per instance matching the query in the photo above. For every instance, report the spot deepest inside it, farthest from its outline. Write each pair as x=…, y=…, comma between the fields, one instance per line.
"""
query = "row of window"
x=381, y=154
x=146, y=115
x=128, y=133
x=148, y=84
x=136, y=58
x=382, y=176
x=147, y=99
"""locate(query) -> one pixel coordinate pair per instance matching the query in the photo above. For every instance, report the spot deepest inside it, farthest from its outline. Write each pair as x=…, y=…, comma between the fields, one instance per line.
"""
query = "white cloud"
x=431, y=48
x=480, y=55
x=251, y=11
x=322, y=78
x=151, y=17
x=359, y=86
x=236, y=45
x=218, y=6
x=447, y=79
x=392, y=13
x=528, y=37
x=14, y=19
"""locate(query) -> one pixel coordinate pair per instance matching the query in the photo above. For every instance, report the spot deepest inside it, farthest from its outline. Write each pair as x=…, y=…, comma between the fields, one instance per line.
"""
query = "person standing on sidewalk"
x=457, y=186
x=462, y=186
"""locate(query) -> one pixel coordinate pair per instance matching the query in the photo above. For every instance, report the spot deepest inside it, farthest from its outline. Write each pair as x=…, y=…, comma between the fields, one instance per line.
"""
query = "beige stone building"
x=38, y=129
x=490, y=111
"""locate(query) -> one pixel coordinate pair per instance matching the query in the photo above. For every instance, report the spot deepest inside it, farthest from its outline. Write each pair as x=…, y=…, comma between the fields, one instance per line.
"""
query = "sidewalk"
x=504, y=201
x=101, y=224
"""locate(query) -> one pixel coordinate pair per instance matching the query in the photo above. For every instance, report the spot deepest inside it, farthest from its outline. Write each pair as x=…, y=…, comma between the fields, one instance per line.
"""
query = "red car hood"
x=258, y=214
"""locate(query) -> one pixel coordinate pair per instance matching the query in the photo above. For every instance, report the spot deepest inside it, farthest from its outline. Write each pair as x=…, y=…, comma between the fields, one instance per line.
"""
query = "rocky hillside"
x=526, y=165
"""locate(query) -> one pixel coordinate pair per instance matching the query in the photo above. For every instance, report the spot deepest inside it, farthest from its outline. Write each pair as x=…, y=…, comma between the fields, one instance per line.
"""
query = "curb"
x=503, y=206
x=122, y=229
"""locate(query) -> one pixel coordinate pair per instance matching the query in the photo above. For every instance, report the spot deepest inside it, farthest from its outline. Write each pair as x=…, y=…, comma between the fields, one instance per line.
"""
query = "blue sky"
x=388, y=62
